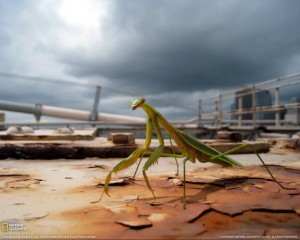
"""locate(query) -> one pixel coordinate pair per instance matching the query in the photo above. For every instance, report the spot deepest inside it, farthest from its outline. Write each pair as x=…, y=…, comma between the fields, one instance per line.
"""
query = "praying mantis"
x=190, y=148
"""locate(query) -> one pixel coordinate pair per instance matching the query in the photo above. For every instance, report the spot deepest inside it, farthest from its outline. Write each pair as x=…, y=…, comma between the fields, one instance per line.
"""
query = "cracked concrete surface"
x=53, y=197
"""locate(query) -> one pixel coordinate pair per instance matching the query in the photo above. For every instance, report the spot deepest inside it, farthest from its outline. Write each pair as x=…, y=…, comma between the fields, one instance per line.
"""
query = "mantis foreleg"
x=131, y=159
x=155, y=155
x=177, y=166
x=139, y=163
x=122, y=165
x=152, y=159
x=162, y=155
x=184, y=181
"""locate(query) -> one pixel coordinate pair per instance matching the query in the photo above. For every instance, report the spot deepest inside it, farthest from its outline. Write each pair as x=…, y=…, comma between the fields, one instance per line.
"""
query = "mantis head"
x=136, y=102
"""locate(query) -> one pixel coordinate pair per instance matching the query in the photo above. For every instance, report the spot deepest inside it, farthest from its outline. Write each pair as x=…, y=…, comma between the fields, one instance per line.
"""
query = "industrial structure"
x=251, y=107
x=259, y=106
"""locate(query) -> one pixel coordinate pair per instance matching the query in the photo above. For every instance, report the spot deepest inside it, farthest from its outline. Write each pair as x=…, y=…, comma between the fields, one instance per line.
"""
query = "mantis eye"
x=136, y=102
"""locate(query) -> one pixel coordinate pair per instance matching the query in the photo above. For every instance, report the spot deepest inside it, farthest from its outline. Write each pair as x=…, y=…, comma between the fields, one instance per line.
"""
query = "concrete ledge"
x=60, y=134
x=99, y=147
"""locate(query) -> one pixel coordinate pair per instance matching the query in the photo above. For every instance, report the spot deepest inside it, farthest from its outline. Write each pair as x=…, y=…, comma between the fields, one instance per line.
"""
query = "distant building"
x=293, y=115
x=262, y=99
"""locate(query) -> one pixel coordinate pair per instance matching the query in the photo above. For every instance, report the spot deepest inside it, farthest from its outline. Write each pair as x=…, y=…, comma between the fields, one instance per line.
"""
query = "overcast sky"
x=173, y=52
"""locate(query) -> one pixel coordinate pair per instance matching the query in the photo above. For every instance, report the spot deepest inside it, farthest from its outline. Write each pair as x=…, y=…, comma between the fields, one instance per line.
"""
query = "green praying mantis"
x=190, y=148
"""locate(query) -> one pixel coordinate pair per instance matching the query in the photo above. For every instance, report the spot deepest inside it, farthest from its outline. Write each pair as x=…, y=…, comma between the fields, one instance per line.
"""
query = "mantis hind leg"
x=120, y=166
x=254, y=150
x=184, y=180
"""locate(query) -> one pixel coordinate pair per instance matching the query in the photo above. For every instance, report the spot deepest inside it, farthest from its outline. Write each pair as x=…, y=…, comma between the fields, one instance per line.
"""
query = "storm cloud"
x=173, y=52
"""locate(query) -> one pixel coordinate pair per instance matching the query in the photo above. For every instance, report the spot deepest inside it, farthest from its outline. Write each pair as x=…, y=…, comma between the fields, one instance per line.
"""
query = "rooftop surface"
x=53, y=199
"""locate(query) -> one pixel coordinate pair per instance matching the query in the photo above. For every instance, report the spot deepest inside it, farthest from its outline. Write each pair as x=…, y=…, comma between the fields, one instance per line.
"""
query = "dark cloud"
x=172, y=52
x=188, y=45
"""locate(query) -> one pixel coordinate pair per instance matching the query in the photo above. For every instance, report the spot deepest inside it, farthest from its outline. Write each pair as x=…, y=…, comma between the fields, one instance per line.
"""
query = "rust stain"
x=22, y=183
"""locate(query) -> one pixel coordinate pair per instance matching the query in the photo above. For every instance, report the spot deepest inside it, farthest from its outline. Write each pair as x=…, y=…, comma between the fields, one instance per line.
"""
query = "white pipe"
x=68, y=113
x=106, y=117
x=85, y=115
x=64, y=113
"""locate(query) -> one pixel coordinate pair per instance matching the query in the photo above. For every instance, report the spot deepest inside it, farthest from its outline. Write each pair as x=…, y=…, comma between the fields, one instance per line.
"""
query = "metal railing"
x=244, y=109
x=239, y=108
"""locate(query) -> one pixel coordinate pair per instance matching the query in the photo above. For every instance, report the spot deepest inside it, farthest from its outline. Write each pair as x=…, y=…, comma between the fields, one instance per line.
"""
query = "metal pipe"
x=240, y=110
x=17, y=107
x=253, y=106
x=220, y=115
x=85, y=115
x=94, y=113
x=67, y=113
x=199, y=109
x=277, y=104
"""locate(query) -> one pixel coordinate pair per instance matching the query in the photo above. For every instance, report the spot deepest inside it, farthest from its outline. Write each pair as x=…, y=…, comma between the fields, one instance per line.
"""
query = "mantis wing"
x=209, y=151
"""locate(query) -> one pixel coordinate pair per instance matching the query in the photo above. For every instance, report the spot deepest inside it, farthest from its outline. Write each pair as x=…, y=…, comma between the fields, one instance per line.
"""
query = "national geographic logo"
x=5, y=227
